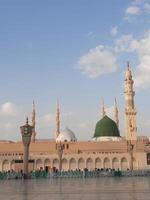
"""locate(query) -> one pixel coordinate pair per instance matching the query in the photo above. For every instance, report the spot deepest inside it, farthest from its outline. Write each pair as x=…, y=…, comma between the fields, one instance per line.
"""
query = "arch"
x=107, y=163
x=56, y=163
x=12, y=165
x=5, y=165
x=72, y=164
x=115, y=163
x=39, y=164
x=98, y=163
x=81, y=163
x=89, y=164
x=47, y=162
x=64, y=164
x=124, y=164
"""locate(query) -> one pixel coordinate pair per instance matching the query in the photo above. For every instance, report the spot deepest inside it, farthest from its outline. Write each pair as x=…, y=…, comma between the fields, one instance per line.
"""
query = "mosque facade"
x=106, y=149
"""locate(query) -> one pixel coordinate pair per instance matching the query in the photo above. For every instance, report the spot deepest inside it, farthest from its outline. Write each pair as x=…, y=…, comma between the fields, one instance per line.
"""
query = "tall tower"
x=103, y=113
x=116, y=116
x=57, y=120
x=130, y=111
x=33, y=122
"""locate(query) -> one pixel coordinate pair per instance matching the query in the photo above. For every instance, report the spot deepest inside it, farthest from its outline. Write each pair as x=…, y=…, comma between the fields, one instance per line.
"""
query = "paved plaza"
x=105, y=188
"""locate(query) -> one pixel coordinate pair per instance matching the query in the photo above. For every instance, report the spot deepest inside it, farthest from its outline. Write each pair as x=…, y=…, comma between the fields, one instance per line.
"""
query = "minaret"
x=130, y=111
x=57, y=120
x=116, y=116
x=103, y=113
x=33, y=122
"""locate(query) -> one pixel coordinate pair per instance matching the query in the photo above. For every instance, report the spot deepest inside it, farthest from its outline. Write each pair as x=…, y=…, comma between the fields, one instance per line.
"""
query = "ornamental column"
x=26, y=132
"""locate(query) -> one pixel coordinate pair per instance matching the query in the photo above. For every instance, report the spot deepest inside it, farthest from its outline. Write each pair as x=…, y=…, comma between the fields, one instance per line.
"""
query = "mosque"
x=106, y=149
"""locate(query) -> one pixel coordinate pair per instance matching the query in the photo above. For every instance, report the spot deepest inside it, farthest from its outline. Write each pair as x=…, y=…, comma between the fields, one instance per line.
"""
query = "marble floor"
x=106, y=188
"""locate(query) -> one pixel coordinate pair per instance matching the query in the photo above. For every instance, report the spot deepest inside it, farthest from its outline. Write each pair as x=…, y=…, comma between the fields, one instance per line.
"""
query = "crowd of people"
x=54, y=173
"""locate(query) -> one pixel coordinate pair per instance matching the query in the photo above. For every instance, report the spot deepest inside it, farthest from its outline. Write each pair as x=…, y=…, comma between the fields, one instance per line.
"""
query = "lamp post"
x=26, y=132
x=130, y=150
x=60, y=149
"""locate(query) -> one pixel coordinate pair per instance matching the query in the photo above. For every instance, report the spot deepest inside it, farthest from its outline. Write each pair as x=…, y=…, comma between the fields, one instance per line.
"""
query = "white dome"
x=66, y=135
x=107, y=138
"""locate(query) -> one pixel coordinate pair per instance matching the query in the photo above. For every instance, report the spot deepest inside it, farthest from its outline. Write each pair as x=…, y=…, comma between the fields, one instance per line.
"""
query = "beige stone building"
x=107, y=149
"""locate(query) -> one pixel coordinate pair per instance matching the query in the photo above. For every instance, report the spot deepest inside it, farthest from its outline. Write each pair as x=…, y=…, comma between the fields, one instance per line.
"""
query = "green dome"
x=106, y=127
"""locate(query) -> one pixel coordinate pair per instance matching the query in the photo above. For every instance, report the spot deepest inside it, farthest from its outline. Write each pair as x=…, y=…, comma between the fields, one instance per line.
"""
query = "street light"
x=130, y=150
x=26, y=132
x=60, y=148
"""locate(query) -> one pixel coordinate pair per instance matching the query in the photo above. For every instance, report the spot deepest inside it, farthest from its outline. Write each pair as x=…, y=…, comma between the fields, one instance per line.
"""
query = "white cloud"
x=9, y=109
x=97, y=61
x=114, y=31
x=141, y=47
x=91, y=35
x=147, y=7
x=137, y=7
x=137, y=2
x=132, y=10
x=142, y=79
x=100, y=60
x=123, y=43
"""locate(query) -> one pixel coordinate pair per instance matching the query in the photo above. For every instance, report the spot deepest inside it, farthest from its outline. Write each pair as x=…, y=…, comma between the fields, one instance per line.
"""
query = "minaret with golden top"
x=103, y=112
x=57, y=120
x=130, y=111
x=116, y=116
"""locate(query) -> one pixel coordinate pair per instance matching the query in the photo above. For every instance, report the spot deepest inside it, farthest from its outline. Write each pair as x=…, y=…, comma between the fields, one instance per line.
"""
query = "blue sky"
x=75, y=51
